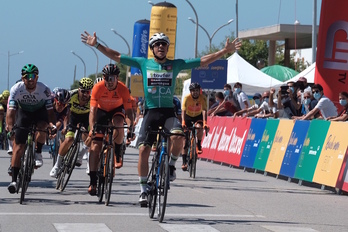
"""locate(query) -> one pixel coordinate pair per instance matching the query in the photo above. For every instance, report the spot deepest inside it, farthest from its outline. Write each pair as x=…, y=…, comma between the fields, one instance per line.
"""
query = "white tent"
x=308, y=73
x=252, y=79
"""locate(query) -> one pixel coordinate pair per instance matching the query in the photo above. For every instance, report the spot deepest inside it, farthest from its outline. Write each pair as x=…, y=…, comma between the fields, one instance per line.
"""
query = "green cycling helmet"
x=30, y=68
x=86, y=83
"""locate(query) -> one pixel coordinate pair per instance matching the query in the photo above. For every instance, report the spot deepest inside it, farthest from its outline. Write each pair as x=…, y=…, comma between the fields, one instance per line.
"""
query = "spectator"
x=325, y=106
x=220, y=108
x=285, y=102
x=211, y=101
x=307, y=105
x=303, y=85
x=265, y=110
x=232, y=98
x=257, y=99
x=241, y=96
x=343, y=115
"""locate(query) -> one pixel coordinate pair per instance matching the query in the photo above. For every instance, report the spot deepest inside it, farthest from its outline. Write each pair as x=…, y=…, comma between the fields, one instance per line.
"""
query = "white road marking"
x=129, y=214
x=85, y=227
x=289, y=229
x=188, y=228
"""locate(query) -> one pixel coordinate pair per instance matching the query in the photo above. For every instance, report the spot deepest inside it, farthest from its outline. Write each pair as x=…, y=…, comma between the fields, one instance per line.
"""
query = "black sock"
x=118, y=152
x=93, y=177
x=184, y=159
x=39, y=147
x=15, y=172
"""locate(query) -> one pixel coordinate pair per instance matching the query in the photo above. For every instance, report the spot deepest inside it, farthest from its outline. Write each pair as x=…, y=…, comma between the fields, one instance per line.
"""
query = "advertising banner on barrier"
x=251, y=146
x=266, y=144
x=311, y=150
x=332, y=155
x=206, y=142
x=294, y=148
x=220, y=125
x=343, y=178
x=279, y=146
x=232, y=140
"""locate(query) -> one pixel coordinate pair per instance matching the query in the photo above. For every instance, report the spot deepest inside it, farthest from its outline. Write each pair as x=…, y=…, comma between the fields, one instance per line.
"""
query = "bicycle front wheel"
x=101, y=178
x=193, y=158
x=69, y=165
x=26, y=170
x=109, y=170
x=163, y=186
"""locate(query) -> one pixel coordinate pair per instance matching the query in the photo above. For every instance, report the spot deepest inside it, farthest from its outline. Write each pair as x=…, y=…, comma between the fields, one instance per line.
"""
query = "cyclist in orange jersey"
x=110, y=102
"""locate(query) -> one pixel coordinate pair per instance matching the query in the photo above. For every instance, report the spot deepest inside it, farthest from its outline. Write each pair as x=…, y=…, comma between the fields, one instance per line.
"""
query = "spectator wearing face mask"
x=241, y=96
x=325, y=106
x=265, y=110
x=343, y=115
x=307, y=104
x=231, y=97
x=285, y=102
x=219, y=108
x=257, y=103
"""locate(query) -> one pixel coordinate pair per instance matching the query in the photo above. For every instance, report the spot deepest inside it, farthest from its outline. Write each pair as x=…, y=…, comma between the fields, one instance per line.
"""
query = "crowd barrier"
x=313, y=151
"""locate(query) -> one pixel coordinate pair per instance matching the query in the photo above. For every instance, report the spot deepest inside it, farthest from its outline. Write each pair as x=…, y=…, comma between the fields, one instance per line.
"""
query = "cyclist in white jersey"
x=159, y=76
x=30, y=102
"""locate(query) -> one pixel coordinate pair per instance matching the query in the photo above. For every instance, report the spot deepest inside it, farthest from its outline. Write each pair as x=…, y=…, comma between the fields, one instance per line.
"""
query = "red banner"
x=206, y=142
x=232, y=140
x=332, y=50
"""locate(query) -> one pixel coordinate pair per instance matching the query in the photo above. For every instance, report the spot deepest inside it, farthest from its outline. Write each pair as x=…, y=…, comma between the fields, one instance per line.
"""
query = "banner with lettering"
x=343, y=177
x=311, y=150
x=220, y=125
x=332, y=50
x=280, y=143
x=251, y=146
x=294, y=148
x=137, y=86
x=332, y=155
x=232, y=140
x=206, y=142
x=266, y=144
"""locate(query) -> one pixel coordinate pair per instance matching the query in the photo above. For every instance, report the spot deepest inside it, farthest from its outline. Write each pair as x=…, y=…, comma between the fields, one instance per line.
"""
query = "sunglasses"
x=316, y=91
x=110, y=78
x=30, y=76
x=160, y=43
x=84, y=91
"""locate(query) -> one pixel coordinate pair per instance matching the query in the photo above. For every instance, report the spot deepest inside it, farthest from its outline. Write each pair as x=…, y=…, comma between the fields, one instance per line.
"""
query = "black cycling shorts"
x=189, y=120
x=26, y=119
x=82, y=119
x=104, y=117
x=153, y=118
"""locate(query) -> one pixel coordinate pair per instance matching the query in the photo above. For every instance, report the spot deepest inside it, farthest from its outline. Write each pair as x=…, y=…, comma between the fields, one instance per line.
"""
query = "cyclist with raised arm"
x=29, y=102
x=79, y=106
x=110, y=102
x=194, y=112
x=159, y=77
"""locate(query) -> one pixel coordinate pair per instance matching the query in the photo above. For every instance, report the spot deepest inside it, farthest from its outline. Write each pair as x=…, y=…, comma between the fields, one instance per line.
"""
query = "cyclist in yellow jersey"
x=194, y=110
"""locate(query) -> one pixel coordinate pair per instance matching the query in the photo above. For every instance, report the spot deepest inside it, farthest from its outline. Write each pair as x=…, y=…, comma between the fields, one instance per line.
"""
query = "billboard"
x=213, y=76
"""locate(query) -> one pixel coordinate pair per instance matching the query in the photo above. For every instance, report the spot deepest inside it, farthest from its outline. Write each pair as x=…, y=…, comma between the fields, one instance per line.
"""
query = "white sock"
x=173, y=160
x=143, y=183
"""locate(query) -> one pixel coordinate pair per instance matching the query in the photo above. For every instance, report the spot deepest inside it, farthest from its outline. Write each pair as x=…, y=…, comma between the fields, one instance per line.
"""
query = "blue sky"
x=48, y=30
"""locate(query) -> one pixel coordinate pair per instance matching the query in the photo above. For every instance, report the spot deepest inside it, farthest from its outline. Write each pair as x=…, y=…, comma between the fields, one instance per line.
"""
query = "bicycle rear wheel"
x=152, y=191
x=69, y=165
x=193, y=158
x=101, y=178
x=163, y=186
x=55, y=150
x=109, y=170
x=26, y=170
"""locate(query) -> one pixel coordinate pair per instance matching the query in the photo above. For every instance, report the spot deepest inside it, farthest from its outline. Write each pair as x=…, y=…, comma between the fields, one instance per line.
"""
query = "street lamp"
x=212, y=36
x=105, y=46
x=84, y=65
x=127, y=76
x=8, y=66
x=95, y=53
x=196, y=41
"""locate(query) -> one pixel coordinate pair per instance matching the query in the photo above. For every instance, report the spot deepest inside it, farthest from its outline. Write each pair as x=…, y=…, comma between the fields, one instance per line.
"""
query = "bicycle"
x=27, y=160
x=54, y=145
x=158, y=176
x=3, y=137
x=106, y=170
x=192, y=148
x=68, y=164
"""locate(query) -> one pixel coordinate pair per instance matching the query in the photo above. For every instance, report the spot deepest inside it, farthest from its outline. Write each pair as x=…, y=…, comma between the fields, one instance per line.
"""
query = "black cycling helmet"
x=111, y=69
x=62, y=95
x=30, y=68
x=194, y=85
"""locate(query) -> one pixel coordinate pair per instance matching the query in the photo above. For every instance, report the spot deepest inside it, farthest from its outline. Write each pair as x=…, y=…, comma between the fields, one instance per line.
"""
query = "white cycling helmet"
x=98, y=80
x=158, y=37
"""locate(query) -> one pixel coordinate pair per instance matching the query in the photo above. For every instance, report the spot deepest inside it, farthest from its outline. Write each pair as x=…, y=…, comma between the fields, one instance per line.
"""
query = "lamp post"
x=196, y=41
x=8, y=66
x=212, y=36
x=105, y=46
x=114, y=31
x=84, y=65
x=95, y=53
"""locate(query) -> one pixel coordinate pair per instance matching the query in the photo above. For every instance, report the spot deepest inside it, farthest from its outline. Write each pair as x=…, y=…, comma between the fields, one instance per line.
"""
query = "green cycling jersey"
x=159, y=78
